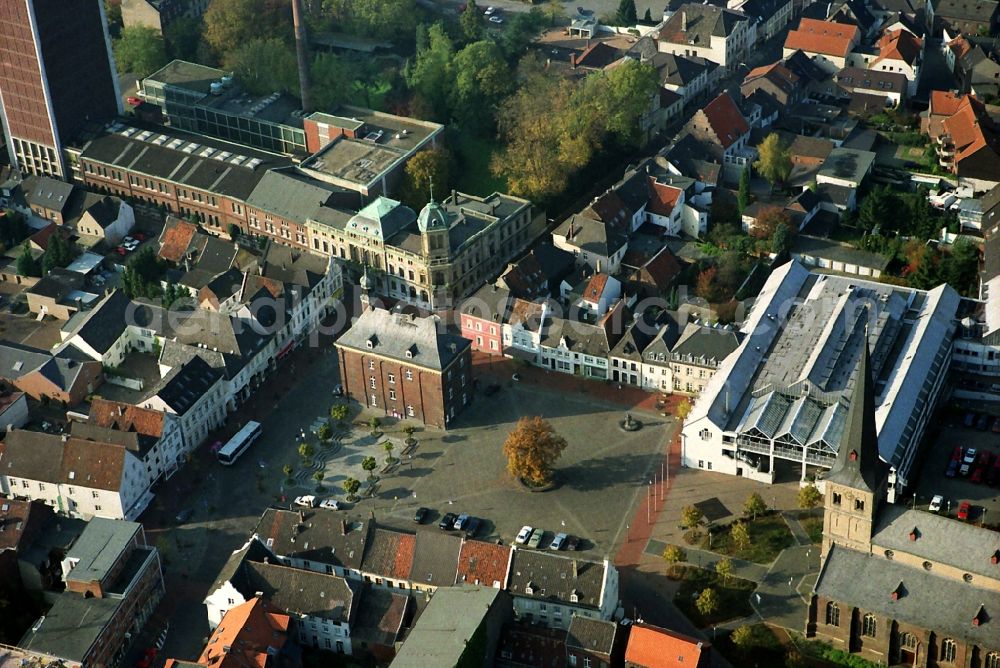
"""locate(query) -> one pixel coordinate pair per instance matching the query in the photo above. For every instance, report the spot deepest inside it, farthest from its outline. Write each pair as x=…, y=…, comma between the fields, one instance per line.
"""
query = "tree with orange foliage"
x=531, y=450
x=705, y=286
x=768, y=220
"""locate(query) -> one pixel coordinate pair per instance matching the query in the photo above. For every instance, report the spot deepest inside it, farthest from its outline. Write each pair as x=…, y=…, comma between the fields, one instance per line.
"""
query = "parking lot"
x=933, y=481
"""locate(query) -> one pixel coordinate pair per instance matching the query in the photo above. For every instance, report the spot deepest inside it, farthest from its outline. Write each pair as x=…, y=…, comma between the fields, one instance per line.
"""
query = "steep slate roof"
x=47, y=192
x=650, y=646
x=826, y=37
x=61, y=369
x=104, y=212
x=488, y=303
x=551, y=577
x=592, y=635
x=482, y=563
x=435, y=559
x=703, y=22
x=610, y=208
x=636, y=338
x=858, y=464
x=592, y=236
x=597, y=56
x=706, y=342
x=782, y=77
x=926, y=599
x=394, y=335
x=185, y=387
x=323, y=537
x=134, y=442
x=299, y=591
x=380, y=616
x=678, y=70
x=253, y=550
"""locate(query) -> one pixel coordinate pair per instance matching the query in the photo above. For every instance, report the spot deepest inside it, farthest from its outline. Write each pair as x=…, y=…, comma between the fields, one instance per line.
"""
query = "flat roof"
x=85, y=263
x=71, y=626
x=188, y=75
x=98, y=548
x=441, y=634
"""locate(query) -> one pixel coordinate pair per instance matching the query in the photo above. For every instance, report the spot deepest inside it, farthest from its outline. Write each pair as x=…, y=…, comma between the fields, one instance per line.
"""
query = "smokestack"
x=302, y=55
x=684, y=20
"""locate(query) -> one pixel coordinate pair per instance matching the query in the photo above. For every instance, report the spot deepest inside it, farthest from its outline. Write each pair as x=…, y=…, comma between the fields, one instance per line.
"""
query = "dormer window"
x=529, y=588
x=574, y=596
x=372, y=341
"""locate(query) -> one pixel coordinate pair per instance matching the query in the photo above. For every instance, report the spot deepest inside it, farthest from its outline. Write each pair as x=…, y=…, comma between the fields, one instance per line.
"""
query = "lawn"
x=734, y=595
x=813, y=527
x=472, y=168
x=769, y=535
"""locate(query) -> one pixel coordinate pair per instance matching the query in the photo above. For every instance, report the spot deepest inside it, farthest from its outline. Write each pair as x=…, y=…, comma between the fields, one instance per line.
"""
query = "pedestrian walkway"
x=798, y=531
x=782, y=597
x=706, y=559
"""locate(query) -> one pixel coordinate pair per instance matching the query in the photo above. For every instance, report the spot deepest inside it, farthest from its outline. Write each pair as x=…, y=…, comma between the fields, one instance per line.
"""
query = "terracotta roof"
x=777, y=73
x=389, y=553
x=899, y=45
x=21, y=520
x=662, y=198
x=960, y=46
x=483, y=563
x=42, y=236
x=967, y=130
x=175, y=240
x=598, y=56
x=126, y=417
x=945, y=103
x=404, y=556
x=653, y=647
x=595, y=286
x=726, y=120
x=244, y=636
x=826, y=37
x=663, y=268
x=75, y=461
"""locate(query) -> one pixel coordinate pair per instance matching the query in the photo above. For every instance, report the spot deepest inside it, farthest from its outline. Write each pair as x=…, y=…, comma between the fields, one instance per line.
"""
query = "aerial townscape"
x=539, y=334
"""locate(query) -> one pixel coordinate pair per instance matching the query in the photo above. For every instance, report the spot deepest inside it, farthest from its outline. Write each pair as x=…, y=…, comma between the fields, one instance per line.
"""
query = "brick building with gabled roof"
x=482, y=563
x=654, y=647
x=828, y=43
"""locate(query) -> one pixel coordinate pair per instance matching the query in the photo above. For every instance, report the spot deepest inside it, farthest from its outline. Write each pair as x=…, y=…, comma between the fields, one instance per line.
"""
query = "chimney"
x=684, y=20
x=574, y=569
x=302, y=516
x=343, y=527
x=302, y=55
x=598, y=266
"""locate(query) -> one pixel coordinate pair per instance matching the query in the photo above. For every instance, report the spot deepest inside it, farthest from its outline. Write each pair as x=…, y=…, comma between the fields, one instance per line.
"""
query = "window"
x=908, y=641
x=869, y=625
x=832, y=614
x=97, y=509
x=836, y=499
x=392, y=377
x=409, y=375
x=571, y=659
x=992, y=660
x=947, y=650
x=409, y=411
x=392, y=395
x=859, y=504
x=371, y=364
x=374, y=400
x=372, y=380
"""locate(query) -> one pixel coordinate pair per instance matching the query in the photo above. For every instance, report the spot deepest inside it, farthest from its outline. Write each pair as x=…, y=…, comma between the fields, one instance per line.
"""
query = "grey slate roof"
x=702, y=23
x=592, y=635
x=18, y=360
x=435, y=559
x=636, y=338
x=292, y=196
x=299, y=591
x=939, y=539
x=927, y=600
x=579, y=337
x=323, y=537
x=592, y=236
x=858, y=464
x=71, y=626
x=846, y=163
x=680, y=70
x=47, y=192
x=188, y=385
x=253, y=550
x=393, y=335
x=707, y=343
x=488, y=303
x=550, y=577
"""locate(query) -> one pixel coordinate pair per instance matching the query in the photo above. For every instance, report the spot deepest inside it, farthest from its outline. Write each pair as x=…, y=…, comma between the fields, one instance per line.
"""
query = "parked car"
x=421, y=515
x=968, y=461
x=447, y=521
x=956, y=454
x=952, y=469
x=306, y=501
x=963, y=510
x=329, y=504
x=148, y=656
x=572, y=543
x=981, y=466
x=935, y=506
x=496, y=19
x=970, y=419
x=120, y=250
x=472, y=527
x=523, y=535
x=489, y=11
x=133, y=101
x=993, y=475
x=536, y=538
x=128, y=240
x=184, y=515
x=461, y=521
x=559, y=542
x=983, y=423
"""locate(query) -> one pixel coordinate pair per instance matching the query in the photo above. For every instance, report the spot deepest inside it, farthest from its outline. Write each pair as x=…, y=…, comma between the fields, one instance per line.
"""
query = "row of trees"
x=59, y=253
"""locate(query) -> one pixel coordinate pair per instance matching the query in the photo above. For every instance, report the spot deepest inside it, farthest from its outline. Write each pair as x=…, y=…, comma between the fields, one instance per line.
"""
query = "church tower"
x=855, y=486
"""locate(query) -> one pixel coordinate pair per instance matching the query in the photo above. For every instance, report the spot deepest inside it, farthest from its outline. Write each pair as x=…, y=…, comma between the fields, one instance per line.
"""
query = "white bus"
x=239, y=443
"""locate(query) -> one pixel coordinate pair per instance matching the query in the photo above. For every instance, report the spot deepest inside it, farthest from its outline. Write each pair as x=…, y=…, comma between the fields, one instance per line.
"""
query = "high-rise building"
x=56, y=75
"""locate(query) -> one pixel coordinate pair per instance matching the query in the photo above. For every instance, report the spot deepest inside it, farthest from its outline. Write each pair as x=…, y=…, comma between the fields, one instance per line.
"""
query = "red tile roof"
x=945, y=103
x=662, y=198
x=483, y=563
x=825, y=37
x=961, y=47
x=967, y=131
x=653, y=647
x=663, y=268
x=898, y=45
x=777, y=73
x=595, y=287
x=42, y=236
x=126, y=417
x=176, y=239
x=244, y=636
x=597, y=56
x=726, y=120
x=404, y=556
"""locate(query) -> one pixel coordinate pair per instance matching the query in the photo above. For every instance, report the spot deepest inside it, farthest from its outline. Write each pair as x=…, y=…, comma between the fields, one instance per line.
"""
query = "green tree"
x=626, y=15
x=318, y=477
x=264, y=66
x=13, y=229
x=647, y=18
x=481, y=80
x=27, y=265
x=743, y=199
x=324, y=432
x=388, y=447
x=809, y=497
x=429, y=74
x=306, y=450
x=877, y=207
x=927, y=273
x=754, y=506
x=522, y=27
x=617, y=99
x=182, y=36
x=351, y=486
x=724, y=569
x=142, y=274
x=743, y=638
x=683, y=409
x=740, y=536
x=960, y=266
x=472, y=23
x=369, y=464
x=775, y=162
x=339, y=412
x=780, y=239
x=113, y=13
x=426, y=167
x=333, y=80
x=231, y=23
x=58, y=253
x=673, y=554
x=377, y=18
x=288, y=470
x=691, y=516
x=373, y=424
x=140, y=51
x=707, y=602
x=532, y=449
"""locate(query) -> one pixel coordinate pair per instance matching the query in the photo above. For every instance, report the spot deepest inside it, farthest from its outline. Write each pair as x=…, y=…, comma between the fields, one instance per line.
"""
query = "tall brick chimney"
x=302, y=55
